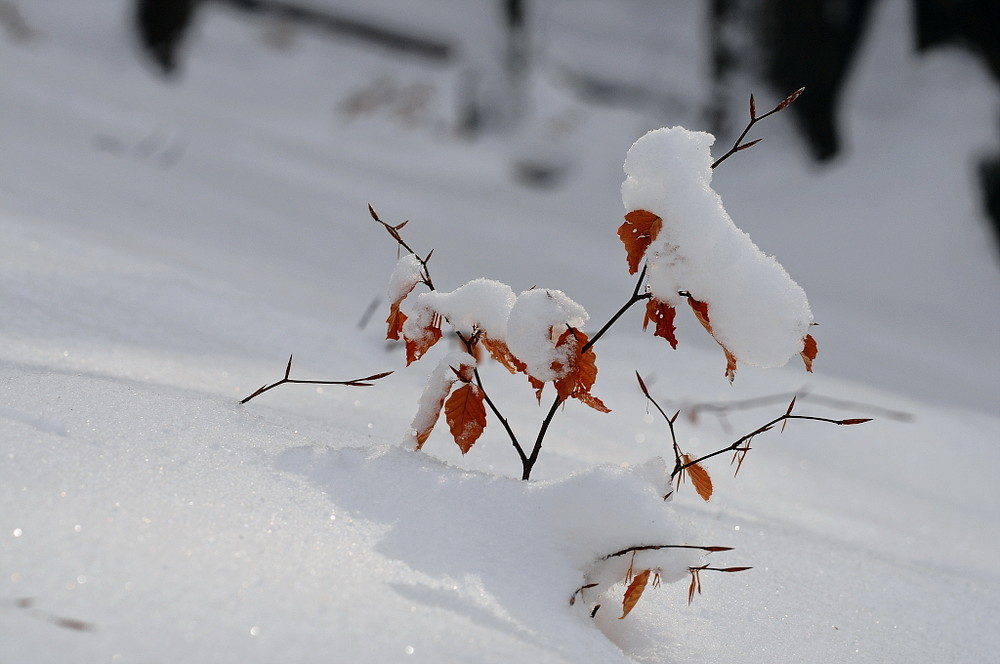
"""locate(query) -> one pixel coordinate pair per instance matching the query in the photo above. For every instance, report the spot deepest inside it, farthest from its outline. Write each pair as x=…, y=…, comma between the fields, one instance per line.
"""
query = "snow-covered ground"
x=166, y=246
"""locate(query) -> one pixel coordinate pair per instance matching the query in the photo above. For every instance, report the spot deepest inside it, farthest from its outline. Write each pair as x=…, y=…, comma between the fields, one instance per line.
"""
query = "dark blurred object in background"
x=161, y=25
x=812, y=43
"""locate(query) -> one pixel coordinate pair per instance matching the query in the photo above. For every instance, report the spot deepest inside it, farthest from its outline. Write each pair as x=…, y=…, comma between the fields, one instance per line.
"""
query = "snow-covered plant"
x=686, y=249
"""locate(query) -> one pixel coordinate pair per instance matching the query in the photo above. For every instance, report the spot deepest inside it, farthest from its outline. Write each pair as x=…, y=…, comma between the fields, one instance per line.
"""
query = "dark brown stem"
x=394, y=232
x=657, y=547
x=741, y=444
x=468, y=343
x=529, y=463
x=670, y=423
x=754, y=119
x=637, y=296
x=357, y=382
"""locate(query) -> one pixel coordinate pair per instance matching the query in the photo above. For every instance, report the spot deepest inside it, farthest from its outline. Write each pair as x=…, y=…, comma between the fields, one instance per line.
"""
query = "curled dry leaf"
x=581, y=374
x=809, y=350
x=395, y=321
x=699, y=477
x=634, y=592
x=695, y=582
x=701, y=312
x=501, y=353
x=416, y=347
x=661, y=315
x=639, y=230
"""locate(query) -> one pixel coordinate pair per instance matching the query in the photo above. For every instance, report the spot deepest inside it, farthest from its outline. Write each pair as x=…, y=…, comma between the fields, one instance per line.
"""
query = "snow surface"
x=165, y=246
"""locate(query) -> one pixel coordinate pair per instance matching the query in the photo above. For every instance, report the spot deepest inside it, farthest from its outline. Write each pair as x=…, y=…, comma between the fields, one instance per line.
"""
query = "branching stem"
x=527, y=464
x=357, y=382
x=741, y=445
x=754, y=119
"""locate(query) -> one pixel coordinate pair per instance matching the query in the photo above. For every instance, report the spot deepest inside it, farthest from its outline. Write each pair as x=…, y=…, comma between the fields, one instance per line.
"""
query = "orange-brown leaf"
x=592, y=401
x=809, y=350
x=634, y=592
x=639, y=231
x=582, y=373
x=730, y=364
x=395, y=321
x=662, y=315
x=695, y=583
x=466, y=415
x=501, y=353
x=699, y=477
x=538, y=386
x=415, y=348
x=701, y=313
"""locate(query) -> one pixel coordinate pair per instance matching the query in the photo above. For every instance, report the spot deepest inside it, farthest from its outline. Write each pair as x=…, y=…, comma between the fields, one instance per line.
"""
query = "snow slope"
x=164, y=247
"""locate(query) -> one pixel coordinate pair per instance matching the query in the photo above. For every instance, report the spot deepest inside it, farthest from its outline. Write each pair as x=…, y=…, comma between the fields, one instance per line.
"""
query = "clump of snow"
x=607, y=510
x=481, y=304
x=405, y=276
x=537, y=319
x=757, y=311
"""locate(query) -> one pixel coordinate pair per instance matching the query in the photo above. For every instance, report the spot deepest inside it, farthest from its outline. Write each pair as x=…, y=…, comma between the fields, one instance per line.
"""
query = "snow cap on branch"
x=757, y=311
x=479, y=304
x=537, y=320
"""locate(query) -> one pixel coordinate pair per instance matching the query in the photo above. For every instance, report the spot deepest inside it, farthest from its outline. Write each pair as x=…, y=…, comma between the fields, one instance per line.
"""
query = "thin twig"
x=657, y=547
x=670, y=423
x=637, y=296
x=721, y=408
x=356, y=382
x=489, y=402
x=754, y=119
x=740, y=445
x=394, y=232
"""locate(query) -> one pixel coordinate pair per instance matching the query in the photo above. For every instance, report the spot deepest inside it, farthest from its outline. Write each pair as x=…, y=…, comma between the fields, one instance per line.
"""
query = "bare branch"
x=367, y=381
x=741, y=446
x=657, y=547
x=754, y=119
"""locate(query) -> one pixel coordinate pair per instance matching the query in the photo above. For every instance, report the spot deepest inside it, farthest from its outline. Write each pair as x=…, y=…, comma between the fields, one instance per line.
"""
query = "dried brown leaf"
x=699, y=477
x=415, y=348
x=695, y=583
x=809, y=350
x=466, y=415
x=581, y=374
x=662, y=315
x=634, y=592
x=395, y=321
x=501, y=353
x=639, y=230
x=701, y=313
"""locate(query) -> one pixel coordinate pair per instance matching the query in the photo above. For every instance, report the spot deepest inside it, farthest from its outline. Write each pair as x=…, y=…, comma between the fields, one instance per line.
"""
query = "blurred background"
x=242, y=140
